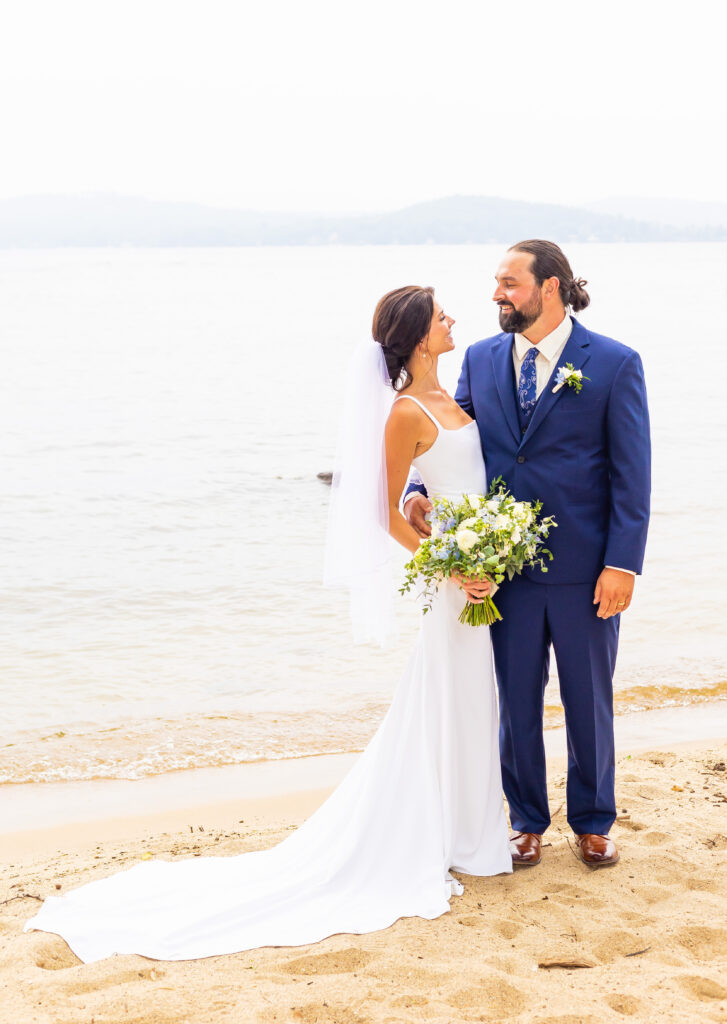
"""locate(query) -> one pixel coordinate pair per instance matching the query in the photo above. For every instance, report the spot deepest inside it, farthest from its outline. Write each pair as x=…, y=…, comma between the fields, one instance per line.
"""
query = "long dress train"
x=424, y=797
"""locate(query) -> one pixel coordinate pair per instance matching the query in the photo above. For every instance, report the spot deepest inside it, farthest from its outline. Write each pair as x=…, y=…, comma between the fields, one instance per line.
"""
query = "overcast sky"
x=331, y=105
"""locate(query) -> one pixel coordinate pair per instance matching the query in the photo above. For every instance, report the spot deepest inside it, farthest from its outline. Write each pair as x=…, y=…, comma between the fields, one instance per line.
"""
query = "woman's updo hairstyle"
x=550, y=261
x=402, y=318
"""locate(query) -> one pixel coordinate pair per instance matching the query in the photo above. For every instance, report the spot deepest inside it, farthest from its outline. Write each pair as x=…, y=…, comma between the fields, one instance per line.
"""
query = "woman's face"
x=440, y=336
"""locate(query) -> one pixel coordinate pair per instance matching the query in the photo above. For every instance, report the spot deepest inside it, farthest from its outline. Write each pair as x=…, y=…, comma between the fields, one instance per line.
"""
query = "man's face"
x=517, y=294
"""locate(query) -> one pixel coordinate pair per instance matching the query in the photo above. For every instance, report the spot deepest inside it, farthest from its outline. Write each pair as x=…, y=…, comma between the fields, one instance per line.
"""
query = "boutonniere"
x=569, y=375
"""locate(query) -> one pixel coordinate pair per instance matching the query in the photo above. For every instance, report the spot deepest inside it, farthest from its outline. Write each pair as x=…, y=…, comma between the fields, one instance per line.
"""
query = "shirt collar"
x=550, y=344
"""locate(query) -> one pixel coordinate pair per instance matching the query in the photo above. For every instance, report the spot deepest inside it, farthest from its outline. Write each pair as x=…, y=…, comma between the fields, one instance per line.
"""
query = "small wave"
x=649, y=697
x=145, y=748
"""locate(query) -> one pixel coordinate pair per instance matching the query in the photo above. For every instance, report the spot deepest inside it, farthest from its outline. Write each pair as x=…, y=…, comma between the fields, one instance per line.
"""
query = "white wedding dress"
x=424, y=797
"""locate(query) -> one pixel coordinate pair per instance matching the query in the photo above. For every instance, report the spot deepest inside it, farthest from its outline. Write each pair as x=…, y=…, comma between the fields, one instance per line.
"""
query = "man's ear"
x=551, y=287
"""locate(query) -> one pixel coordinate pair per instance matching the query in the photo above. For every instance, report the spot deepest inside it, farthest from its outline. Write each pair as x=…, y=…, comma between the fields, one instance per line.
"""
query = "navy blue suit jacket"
x=585, y=455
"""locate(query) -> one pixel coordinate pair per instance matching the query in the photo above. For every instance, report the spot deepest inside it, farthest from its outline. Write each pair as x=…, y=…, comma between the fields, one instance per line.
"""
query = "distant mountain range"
x=115, y=220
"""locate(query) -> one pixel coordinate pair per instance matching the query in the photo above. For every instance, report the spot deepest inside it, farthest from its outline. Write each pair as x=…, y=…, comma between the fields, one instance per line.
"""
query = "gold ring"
x=620, y=604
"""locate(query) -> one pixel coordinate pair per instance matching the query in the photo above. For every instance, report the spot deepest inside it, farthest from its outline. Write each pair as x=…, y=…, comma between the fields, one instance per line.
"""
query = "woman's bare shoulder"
x=405, y=414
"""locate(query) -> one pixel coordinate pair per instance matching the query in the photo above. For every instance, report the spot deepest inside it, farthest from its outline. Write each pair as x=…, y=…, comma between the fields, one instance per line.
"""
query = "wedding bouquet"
x=482, y=537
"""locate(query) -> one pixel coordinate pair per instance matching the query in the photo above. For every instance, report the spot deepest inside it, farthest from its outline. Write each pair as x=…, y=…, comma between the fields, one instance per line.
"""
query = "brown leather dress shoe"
x=597, y=851
x=525, y=849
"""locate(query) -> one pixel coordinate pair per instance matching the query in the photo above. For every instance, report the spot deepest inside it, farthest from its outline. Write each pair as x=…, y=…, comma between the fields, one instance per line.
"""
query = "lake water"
x=164, y=415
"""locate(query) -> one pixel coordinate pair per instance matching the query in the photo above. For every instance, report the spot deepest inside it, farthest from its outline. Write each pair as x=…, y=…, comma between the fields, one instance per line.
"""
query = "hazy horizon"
x=592, y=203
x=113, y=219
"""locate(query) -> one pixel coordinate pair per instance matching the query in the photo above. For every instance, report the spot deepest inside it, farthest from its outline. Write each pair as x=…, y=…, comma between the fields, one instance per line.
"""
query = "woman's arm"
x=400, y=441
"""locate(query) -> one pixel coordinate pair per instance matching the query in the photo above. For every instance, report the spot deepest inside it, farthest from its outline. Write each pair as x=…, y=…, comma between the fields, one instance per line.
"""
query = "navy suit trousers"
x=537, y=616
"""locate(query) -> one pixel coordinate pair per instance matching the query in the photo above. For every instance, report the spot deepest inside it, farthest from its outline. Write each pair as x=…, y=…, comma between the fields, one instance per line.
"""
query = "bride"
x=425, y=796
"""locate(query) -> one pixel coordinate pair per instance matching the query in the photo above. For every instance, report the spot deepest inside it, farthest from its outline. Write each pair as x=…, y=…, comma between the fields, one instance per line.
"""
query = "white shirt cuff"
x=619, y=569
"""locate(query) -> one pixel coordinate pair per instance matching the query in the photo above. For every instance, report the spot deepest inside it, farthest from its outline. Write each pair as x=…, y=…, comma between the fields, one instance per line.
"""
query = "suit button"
x=521, y=459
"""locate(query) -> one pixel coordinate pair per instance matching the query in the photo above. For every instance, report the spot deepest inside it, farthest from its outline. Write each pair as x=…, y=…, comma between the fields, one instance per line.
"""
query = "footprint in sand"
x=702, y=885
x=569, y=895
x=50, y=953
x=340, y=961
x=567, y=889
x=631, y=826
x=702, y=942
x=507, y=929
x=703, y=988
x=662, y=759
x=493, y=997
x=619, y=943
x=326, y=1013
x=654, y=894
x=635, y=918
x=627, y=1005
x=410, y=1000
x=96, y=977
x=656, y=839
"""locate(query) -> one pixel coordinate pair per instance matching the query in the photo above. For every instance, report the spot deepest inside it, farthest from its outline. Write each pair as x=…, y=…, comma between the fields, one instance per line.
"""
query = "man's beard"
x=515, y=321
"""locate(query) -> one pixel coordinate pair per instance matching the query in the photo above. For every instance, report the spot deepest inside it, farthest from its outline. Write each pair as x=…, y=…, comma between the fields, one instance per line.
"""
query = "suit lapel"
x=575, y=352
x=504, y=372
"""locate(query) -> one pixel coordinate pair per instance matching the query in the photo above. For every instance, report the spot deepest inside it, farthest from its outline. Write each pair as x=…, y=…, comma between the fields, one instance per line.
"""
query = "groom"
x=585, y=452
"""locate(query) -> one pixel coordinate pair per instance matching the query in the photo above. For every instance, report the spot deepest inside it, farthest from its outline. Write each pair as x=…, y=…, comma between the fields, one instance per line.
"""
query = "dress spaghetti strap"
x=423, y=408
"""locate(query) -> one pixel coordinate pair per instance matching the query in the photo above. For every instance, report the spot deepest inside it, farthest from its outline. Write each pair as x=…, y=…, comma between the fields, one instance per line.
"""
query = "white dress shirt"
x=550, y=349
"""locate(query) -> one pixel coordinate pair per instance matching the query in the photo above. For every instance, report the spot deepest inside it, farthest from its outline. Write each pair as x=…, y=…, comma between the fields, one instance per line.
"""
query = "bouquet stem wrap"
x=484, y=614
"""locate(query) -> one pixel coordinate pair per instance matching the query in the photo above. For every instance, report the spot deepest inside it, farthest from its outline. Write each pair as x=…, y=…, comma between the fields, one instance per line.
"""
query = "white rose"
x=492, y=505
x=515, y=536
x=466, y=540
x=501, y=522
x=577, y=373
x=474, y=499
x=519, y=508
x=470, y=523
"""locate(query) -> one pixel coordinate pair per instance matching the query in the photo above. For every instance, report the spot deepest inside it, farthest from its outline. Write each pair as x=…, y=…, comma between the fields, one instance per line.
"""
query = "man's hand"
x=474, y=589
x=613, y=592
x=415, y=510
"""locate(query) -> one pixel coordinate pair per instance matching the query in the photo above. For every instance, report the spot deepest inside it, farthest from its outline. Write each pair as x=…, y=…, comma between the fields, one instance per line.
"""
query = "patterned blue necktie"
x=526, y=388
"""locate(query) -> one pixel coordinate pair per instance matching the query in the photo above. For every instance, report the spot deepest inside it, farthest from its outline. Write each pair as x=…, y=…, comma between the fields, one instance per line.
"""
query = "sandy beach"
x=643, y=941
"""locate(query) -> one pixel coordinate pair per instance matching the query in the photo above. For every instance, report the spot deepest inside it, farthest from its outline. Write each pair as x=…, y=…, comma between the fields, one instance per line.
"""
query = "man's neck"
x=544, y=325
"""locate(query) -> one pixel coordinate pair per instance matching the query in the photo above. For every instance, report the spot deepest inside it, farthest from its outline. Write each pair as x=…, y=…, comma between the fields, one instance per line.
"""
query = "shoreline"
x=76, y=815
